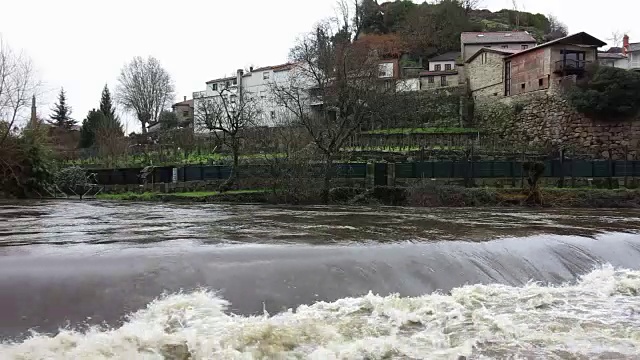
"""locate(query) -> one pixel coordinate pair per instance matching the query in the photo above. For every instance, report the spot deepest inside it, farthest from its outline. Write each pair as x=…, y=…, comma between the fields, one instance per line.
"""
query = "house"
x=612, y=59
x=507, y=72
x=632, y=51
x=443, y=72
x=184, y=112
x=256, y=83
x=472, y=42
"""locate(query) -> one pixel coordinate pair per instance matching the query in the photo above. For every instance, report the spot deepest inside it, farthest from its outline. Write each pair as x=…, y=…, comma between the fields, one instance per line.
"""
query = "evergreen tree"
x=94, y=120
x=106, y=105
x=61, y=116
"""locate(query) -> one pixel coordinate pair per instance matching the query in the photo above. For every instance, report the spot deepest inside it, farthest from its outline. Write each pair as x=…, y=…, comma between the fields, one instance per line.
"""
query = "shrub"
x=607, y=92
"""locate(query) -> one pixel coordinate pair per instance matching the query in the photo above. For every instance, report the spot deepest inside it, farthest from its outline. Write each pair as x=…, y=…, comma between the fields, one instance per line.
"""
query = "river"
x=107, y=280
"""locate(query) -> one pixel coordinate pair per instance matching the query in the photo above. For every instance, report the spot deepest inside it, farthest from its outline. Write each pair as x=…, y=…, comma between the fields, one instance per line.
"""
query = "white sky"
x=83, y=44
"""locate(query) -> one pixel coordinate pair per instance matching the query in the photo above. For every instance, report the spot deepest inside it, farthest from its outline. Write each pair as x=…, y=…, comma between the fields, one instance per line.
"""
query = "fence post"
x=391, y=174
x=610, y=166
x=561, y=182
x=371, y=176
x=522, y=169
x=626, y=167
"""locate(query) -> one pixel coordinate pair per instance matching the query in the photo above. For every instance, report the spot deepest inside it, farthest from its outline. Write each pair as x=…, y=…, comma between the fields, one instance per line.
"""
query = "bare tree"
x=111, y=144
x=17, y=85
x=227, y=114
x=617, y=38
x=333, y=91
x=469, y=5
x=145, y=88
x=557, y=29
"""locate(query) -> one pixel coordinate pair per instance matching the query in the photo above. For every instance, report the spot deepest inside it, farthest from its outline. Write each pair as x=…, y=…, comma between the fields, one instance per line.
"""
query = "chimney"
x=625, y=44
x=185, y=98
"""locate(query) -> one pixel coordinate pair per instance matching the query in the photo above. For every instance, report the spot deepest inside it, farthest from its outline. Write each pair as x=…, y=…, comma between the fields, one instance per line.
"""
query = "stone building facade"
x=485, y=73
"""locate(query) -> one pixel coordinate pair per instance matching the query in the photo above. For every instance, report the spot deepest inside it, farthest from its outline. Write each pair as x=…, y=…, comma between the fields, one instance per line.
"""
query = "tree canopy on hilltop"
x=430, y=28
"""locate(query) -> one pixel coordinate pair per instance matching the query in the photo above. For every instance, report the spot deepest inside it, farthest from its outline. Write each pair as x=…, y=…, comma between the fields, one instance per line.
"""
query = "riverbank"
x=417, y=196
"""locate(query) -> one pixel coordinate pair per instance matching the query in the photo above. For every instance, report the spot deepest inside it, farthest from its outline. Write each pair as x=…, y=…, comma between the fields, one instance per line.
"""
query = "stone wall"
x=547, y=119
x=485, y=75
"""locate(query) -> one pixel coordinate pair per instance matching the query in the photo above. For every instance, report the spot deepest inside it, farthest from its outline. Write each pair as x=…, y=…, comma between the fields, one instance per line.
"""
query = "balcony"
x=571, y=67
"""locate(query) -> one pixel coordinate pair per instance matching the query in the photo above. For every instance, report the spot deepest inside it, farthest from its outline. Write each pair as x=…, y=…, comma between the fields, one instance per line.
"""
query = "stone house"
x=472, y=42
x=184, y=112
x=443, y=72
x=506, y=72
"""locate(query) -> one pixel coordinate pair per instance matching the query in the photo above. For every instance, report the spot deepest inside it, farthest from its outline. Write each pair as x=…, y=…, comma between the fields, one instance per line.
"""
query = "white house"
x=255, y=83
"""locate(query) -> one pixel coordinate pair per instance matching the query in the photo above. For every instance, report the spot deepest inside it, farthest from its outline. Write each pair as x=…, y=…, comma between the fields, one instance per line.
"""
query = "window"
x=443, y=81
x=214, y=87
x=507, y=78
x=185, y=114
x=226, y=84
x=540, y=82
x=525, y=47
x=235, y=81
x=430, y=79
x=484, y=58
x=522, y=86
x=273, y=115
x=438, y=68
x=447, y=66
x=385, y=70
x=265, y=75
x=505, y=46
x=574, y=59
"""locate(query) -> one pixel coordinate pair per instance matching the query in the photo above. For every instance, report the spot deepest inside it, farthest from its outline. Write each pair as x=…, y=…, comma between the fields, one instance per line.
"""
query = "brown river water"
x=107, y=280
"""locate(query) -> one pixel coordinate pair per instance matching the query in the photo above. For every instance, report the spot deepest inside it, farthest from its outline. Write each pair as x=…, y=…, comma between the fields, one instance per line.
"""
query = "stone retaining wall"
x=547, y=119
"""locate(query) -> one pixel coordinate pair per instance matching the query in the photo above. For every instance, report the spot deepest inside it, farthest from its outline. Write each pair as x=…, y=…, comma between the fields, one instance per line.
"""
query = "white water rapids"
x=596, y=317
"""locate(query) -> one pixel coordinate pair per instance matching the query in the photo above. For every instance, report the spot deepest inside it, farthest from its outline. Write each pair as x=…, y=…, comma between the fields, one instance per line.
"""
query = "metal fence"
x=411, y=170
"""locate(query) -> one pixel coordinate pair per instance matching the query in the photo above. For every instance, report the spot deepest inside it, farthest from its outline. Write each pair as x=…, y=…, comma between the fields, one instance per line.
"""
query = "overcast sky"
x=82, y=44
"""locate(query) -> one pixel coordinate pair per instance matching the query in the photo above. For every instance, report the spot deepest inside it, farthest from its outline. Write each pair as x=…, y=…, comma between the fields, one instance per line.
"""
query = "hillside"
x=426, y=29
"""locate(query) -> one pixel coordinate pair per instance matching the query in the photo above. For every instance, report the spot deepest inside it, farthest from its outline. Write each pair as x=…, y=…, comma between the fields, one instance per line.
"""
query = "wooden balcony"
x=571, y=67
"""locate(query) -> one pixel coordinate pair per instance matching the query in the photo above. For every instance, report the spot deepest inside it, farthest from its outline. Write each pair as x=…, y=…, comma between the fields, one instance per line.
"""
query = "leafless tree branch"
x=145, y=88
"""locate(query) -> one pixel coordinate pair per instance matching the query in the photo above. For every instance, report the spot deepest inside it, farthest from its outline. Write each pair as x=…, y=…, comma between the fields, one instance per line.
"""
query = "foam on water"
x=596, y=317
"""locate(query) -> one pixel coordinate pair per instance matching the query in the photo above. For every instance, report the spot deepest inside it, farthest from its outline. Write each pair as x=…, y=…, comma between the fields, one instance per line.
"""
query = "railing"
x=571, y=66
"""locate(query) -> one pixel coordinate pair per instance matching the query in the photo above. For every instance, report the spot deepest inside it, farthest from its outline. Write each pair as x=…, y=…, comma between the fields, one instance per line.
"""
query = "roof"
x=184, y=103
x=281, y=67
x=438, y=73
x=496, y=37
x=450, y=56
x=606, y=55
x=615, y=50
x=634, y=47
x=505, y=52
x=581, y=38
x=221, y=79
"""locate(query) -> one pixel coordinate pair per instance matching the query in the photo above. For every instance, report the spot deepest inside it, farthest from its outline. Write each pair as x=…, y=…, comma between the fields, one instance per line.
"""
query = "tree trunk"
x=328, y=175
x=234, y=169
